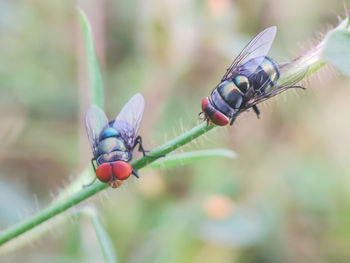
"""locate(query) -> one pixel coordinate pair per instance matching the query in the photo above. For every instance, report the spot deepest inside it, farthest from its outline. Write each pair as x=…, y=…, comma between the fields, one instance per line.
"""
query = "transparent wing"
x=257, y=48
x=129, y=118
x=290, y=76
x=95, y=121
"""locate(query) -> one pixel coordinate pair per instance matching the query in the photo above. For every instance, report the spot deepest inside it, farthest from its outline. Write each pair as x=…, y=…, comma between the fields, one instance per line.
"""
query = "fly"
x=252, y=78
x=113, y=142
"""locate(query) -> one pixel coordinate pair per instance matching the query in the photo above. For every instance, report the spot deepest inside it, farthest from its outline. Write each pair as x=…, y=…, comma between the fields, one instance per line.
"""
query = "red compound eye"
x=219, y=119
x=104, y=172
x=121, y=170
x=205, y=103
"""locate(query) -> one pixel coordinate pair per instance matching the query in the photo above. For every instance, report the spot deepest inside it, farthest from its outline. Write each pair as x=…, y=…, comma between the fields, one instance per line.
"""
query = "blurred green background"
x=284, y=199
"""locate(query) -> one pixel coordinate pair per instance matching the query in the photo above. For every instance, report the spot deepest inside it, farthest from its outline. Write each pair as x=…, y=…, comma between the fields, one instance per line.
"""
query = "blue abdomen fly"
x=113, y=142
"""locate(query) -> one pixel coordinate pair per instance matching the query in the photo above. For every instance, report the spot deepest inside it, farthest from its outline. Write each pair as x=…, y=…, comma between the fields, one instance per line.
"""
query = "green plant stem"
x=48, y=212
x=63, y=205
x=173, y=144
x=191, y=157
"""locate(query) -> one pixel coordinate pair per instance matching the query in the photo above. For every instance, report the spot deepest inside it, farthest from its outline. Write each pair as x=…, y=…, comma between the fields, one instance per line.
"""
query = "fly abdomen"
x=266, y=76
x=110, y=144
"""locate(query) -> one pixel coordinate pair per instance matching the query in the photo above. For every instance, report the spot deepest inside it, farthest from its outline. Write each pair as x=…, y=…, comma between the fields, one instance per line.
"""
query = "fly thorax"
x=109, y=132
x=227, y=97
x=111, y=144
x=242, y=83
x=114, y=156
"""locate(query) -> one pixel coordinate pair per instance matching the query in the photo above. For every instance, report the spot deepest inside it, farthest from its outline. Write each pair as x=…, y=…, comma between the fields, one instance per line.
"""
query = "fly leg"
x=138, y=141
x=205, y=118
x=93, y=165
x=233, y=118
x=134, y=172
x=283, y=88
x=257, y=111
x=86, y=185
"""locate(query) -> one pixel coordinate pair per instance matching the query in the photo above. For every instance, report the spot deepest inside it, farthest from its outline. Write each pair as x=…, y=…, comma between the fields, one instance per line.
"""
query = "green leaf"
x=193, y=156
x=102, y=236
x=95, y=77
x=337, y=50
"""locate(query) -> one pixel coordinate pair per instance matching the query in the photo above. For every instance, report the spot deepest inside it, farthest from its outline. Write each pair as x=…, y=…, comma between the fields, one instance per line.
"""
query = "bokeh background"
x=285, y=198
